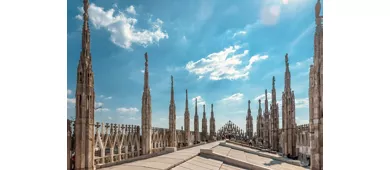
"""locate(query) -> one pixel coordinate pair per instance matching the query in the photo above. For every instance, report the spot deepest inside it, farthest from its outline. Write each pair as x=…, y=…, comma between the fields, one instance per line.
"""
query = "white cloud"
x=109, y=117
x=98, y=104
x=296, y=66
x=142, y=71
x=262, y=97
x=302, y=103
x=302, y=64
x=69, y=92
x=239, y=33
x=174, y=69
x=131, y=10
x=134, y=118
x=130, y=110
x=234, y=97
x=71, y=100
x=102, y=110
x=106, y=98
x=200, y=101
x=247, y=29
x=223, y=64
x=122, y=28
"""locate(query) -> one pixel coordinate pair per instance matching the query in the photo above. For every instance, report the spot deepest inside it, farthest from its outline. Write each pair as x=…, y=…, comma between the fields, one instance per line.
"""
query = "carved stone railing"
x=159, y=139
x=116, y=142
x=113, y=142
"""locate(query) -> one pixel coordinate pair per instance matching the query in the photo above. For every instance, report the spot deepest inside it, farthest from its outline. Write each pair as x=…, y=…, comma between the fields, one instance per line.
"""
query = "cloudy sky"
x=224, y=53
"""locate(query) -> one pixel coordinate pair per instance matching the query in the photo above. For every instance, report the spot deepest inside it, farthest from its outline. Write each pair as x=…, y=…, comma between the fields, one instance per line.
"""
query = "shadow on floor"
x=273, y=162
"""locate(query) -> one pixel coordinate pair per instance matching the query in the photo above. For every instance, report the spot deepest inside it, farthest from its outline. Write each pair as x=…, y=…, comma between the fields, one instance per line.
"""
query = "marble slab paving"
x=164, y=161
x=258, y=160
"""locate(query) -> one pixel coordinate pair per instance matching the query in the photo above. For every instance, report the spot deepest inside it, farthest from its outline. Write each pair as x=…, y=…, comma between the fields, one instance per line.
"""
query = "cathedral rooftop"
x=216, y=155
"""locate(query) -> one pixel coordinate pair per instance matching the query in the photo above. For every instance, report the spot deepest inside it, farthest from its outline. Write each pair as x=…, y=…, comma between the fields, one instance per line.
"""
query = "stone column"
x=196, y=122
x=212, y=124
x=85, y=100
x=187, y=123
x=204, y=124
x=316, y=97
x=146, y=113
x=172, y=118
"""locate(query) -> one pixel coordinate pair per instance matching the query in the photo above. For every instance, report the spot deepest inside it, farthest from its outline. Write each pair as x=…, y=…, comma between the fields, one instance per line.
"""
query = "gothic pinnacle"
x=259, y=104
x=85, y=36
x=186, y=99
x=146, y=72
x=196, y=106
x=172, y=92
x=286, y=60
x=266, y=101
x=212, y=111
x=318, y=8
x=273, y=82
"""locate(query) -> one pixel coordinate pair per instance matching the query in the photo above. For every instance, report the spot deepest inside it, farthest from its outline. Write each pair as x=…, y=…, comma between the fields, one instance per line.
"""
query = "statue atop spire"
x=172, y=91
x=146, y=73
x=259, y=104
x=196, y=106
x=273, y=82
x=286, y=60
x=186, y=99
x=318, y=9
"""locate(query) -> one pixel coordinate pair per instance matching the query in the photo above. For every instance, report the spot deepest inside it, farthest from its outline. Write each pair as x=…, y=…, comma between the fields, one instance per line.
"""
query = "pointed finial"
x=204, y=108
x=212, y=107
x=318, y=9
x=249, y=104
x=273, y=82
x=186, y=94
x=286, y=59
x=86, y=4
x=171, y=80
x=146, y=56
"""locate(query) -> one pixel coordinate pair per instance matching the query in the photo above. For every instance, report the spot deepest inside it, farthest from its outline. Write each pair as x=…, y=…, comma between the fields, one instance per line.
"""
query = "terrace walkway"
x=166, y=161
x=213, y=156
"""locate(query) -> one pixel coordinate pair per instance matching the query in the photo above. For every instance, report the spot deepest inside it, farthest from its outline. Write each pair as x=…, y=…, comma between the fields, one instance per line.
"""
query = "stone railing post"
x=112, y=153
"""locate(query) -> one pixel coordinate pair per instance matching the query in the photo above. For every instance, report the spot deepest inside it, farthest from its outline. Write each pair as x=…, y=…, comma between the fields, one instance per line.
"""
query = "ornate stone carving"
x=316, y=97
x=85, y=99
x=146, y=113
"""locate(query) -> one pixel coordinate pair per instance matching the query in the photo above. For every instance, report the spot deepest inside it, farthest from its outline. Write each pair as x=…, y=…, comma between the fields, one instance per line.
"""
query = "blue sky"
x=223, y=52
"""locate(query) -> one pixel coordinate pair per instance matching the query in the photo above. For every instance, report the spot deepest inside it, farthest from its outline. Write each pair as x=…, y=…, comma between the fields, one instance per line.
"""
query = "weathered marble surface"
x=164, y=161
